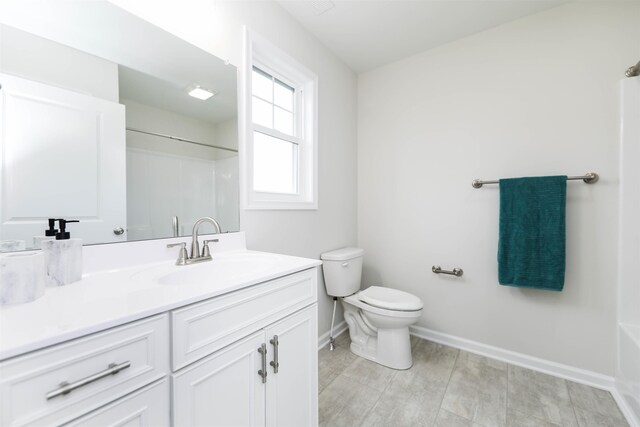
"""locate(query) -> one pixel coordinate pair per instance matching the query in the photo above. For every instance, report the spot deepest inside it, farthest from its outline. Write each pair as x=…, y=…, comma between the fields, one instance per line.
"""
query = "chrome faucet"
x=195, y=248
x=196, y=256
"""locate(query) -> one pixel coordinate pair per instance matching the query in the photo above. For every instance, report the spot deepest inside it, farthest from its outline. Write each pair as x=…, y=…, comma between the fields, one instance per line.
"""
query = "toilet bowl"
x=379, y=330
x=378, y=317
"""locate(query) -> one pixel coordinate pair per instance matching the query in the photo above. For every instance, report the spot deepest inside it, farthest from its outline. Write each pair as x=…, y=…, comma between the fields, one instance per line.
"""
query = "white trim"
x=628, y=248
x=625, y=408
x=258, y=49
x=276, y=134
x=339, y=329
x=567, y=372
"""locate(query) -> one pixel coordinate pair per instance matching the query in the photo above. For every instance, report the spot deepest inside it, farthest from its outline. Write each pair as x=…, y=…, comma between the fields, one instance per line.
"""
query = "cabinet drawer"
x=147, y=407
x=30, y=384
x=202, y=328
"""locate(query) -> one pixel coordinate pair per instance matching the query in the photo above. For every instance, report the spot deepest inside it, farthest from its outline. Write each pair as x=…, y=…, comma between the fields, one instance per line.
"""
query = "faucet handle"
x=182, y=256
x=205, y=247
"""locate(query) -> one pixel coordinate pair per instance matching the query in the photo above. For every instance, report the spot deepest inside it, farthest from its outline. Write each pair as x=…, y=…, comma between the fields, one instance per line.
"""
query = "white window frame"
x=267, y=57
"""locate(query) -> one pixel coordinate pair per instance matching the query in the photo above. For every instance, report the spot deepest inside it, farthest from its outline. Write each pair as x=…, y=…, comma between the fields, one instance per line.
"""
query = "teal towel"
x=531, y=249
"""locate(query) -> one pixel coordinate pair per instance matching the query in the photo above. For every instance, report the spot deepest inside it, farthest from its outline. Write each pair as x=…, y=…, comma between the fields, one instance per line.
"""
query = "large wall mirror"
x=109, y=120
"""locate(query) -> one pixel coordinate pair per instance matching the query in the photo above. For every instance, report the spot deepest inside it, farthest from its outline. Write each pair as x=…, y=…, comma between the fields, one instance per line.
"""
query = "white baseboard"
x=571, y=373
x=629, y=414
x=337, y=330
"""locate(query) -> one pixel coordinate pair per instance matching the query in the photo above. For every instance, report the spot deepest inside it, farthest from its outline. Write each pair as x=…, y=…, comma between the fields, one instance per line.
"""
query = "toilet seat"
x=355, y=301
x=390, y=299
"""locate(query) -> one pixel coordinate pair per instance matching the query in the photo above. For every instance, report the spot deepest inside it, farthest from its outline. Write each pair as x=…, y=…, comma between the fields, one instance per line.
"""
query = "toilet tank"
x=342, y=270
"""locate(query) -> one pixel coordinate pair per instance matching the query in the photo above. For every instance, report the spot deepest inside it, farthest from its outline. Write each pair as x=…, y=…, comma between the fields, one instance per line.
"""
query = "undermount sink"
x=224, y=268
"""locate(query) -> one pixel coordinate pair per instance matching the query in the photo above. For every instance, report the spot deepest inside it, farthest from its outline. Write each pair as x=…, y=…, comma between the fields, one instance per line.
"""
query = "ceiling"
x=172, y=95
x=367, y=34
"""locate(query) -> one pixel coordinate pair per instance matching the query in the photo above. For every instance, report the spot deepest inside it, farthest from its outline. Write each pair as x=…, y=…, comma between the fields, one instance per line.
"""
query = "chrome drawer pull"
x=66, y=388
x=274, y=363
x=263, y=372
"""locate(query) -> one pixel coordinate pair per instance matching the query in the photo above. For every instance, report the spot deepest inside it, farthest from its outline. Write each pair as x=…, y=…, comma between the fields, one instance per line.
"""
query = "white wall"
x=537, y=96
x=217, y=27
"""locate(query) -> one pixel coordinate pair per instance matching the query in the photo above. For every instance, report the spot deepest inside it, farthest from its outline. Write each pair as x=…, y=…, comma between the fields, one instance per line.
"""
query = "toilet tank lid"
x=342, y=254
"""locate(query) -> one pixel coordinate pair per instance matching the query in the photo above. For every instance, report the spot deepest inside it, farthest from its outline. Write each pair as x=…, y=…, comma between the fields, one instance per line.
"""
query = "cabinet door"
x=63, y=156
x=292, y=392
x=223, y=389
x=148, y=407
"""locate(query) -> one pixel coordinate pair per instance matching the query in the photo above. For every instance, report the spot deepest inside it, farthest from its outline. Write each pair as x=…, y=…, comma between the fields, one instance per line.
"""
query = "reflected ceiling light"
x=200, y=92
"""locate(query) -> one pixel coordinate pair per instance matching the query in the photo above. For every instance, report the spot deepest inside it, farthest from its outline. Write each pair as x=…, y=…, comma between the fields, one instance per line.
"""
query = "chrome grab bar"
x=589, y=178
x=66, y=388
x=263, y=372
x=275, y=363
x=455, y=272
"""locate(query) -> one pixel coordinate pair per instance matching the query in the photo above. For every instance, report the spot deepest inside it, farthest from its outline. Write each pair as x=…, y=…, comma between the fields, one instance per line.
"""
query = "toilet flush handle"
x=345, y=264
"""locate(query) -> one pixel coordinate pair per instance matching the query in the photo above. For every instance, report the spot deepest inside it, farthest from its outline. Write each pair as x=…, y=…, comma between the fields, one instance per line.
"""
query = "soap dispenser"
x=49, y=234
x=63, y=257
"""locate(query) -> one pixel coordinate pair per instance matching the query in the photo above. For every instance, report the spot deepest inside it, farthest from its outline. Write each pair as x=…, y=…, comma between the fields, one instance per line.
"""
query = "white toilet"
x=378, y=317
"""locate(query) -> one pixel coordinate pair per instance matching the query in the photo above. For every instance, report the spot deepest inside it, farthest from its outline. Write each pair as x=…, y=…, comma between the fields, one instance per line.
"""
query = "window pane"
x=262, y=112
x=283, y=121
x=274, y=164
x=283, y=95
x=262, y=85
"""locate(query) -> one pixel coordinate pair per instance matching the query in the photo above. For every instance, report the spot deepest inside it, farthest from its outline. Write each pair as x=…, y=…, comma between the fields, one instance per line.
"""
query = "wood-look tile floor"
x=450, y=387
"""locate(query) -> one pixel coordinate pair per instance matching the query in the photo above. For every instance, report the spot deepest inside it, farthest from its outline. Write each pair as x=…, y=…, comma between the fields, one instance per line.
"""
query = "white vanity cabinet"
x=260, y=356
x=247, y=357
x=63, y=382
x=148, y=406
x=268, y=378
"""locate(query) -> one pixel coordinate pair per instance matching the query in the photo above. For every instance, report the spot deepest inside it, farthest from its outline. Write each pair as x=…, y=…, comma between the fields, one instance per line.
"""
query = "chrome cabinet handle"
x=118, y=231
x=66, y=388
x=274, y=363
x=263, y=372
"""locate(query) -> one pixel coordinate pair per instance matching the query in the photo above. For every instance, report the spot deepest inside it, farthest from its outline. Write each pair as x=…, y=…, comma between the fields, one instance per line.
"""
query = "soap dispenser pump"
x=63, y=256
x=64, y=234
x=48, y=234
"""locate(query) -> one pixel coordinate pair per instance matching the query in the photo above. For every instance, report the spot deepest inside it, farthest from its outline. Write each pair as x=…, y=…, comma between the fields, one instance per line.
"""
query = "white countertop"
x=107, y=299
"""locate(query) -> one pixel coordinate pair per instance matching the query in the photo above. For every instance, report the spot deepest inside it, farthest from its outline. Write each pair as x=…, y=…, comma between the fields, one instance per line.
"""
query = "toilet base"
x=391, y=348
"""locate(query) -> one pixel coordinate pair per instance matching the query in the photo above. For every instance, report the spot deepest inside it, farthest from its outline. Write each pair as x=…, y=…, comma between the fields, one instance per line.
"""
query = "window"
x=275, y=145
x=279, y=160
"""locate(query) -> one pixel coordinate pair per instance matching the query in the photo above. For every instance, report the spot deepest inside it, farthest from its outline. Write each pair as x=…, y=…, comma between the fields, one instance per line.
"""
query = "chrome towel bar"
x=455, y=272
x=589, y=178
